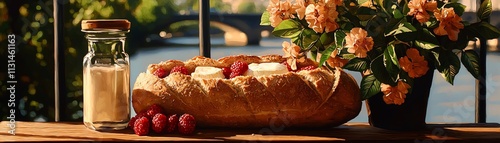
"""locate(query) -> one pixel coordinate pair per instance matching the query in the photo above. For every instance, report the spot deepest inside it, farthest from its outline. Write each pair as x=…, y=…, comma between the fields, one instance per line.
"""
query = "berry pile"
x=162, y=73
x=238, y=68
x=154, y=119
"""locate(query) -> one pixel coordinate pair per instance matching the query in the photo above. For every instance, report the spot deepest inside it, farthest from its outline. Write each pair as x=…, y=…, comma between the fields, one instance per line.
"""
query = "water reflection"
x=447, y=103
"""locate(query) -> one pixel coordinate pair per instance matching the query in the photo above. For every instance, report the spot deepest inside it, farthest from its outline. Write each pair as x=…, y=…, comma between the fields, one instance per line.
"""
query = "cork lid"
x=121, y=24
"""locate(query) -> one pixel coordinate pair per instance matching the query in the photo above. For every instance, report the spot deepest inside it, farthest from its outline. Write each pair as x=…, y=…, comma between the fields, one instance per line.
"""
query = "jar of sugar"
x=106, y=75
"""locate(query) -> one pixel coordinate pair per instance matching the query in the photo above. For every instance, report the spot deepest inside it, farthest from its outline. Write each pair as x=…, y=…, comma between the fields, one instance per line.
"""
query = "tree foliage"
x=32, y=23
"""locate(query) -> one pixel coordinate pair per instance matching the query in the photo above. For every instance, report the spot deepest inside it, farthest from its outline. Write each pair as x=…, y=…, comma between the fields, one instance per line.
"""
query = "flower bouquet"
x=395, y=44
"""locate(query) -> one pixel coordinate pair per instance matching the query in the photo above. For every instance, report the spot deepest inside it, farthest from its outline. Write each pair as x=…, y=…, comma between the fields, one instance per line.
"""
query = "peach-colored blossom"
x=300, y=7
x=322, y=15
x=413, y=63
x=449, y=23
x=293, y=54
x=420, y=8
x=395, y=95
x=358, y=43
x=279, y=11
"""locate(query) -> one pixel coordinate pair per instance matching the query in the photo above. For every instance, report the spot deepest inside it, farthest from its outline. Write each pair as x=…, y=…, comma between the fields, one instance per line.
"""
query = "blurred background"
x=168, y=29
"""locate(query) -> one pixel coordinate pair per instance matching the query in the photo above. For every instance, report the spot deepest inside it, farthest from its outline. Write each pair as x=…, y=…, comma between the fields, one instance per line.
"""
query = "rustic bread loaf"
x=314, y=98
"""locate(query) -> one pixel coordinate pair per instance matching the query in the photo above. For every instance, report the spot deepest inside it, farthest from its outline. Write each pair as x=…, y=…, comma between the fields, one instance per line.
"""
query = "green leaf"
x=397, y=14
x=470, y=59
x=348, y=56
x=436, y=58
x=369, y=86
x=357, y=64
x=425, y=45
x=381, y=4
x=427, y=36
x=391, y=60
x=406, y=37
x=450, y=65
x=264, y=20
x=362, y=1
x=365, y=11
x=406, y=9
x=457, y=7
x=327, y=39
x=489, y=31
x=403, y=27
x=375, y=26
x=308, y=37
x=326, y=54
x=482, y=30
x=339, y=38
x=287, y=29
x=380, y=71
x=484, y=10
x=314, y=55
x=384, y=4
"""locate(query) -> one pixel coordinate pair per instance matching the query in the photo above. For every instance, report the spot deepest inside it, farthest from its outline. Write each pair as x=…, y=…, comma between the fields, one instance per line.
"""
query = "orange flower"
x=419, y=8
x=300, y=7
x=333, y=60
x=450, y=23
x=358, y=42
x=279, y=11
x=413, y=63
x=322, y=16
x=395, y=95
x=293, y=54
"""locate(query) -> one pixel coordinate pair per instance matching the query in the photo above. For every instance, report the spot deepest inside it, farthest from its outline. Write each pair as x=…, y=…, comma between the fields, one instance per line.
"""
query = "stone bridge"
x=235, y=26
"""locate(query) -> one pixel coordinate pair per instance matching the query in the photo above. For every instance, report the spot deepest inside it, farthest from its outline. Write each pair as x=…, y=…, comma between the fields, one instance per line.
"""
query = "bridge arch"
x=232, y=35
x=233, y=24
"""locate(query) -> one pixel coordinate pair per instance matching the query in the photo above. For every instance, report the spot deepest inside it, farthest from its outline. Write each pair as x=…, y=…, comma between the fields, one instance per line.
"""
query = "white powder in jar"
x=106, y=94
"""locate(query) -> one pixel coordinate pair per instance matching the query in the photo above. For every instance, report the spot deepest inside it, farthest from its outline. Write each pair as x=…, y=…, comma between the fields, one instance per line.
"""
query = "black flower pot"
x=406, y=117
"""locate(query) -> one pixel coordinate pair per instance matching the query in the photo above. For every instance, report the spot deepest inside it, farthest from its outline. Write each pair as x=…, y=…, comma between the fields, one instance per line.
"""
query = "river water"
x=447, y=103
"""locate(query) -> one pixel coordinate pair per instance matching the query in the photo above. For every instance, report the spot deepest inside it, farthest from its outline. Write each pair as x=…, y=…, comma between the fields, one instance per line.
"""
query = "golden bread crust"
x=315, y=98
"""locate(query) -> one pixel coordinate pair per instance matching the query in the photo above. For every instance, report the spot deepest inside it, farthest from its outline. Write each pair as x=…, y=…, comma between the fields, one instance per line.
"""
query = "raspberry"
x=153, y=110
x=226, y=71
x=179, y=69
x=238, y=68
x=172, y=123
x=187, y=124
x=308, y=68
x=142, y=114
x=141, y=126
x=287, y=66
x=131, y=122
x=161, y=73
x=159, y=122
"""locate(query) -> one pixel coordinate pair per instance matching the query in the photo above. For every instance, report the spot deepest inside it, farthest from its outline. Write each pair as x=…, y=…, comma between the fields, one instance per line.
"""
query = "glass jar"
x=106, y=75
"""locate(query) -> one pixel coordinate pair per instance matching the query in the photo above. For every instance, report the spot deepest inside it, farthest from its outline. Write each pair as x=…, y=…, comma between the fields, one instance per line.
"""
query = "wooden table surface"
x=351, y=132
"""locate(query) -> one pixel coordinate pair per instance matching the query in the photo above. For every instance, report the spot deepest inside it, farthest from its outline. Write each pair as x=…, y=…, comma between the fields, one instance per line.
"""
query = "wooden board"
x=352, y=132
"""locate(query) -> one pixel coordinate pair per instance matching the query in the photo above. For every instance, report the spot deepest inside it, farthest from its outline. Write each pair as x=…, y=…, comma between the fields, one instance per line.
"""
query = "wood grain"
x=351, y=132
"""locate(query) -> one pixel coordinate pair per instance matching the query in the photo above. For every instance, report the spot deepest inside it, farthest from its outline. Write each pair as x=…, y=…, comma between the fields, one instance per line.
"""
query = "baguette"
x=310, y=99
